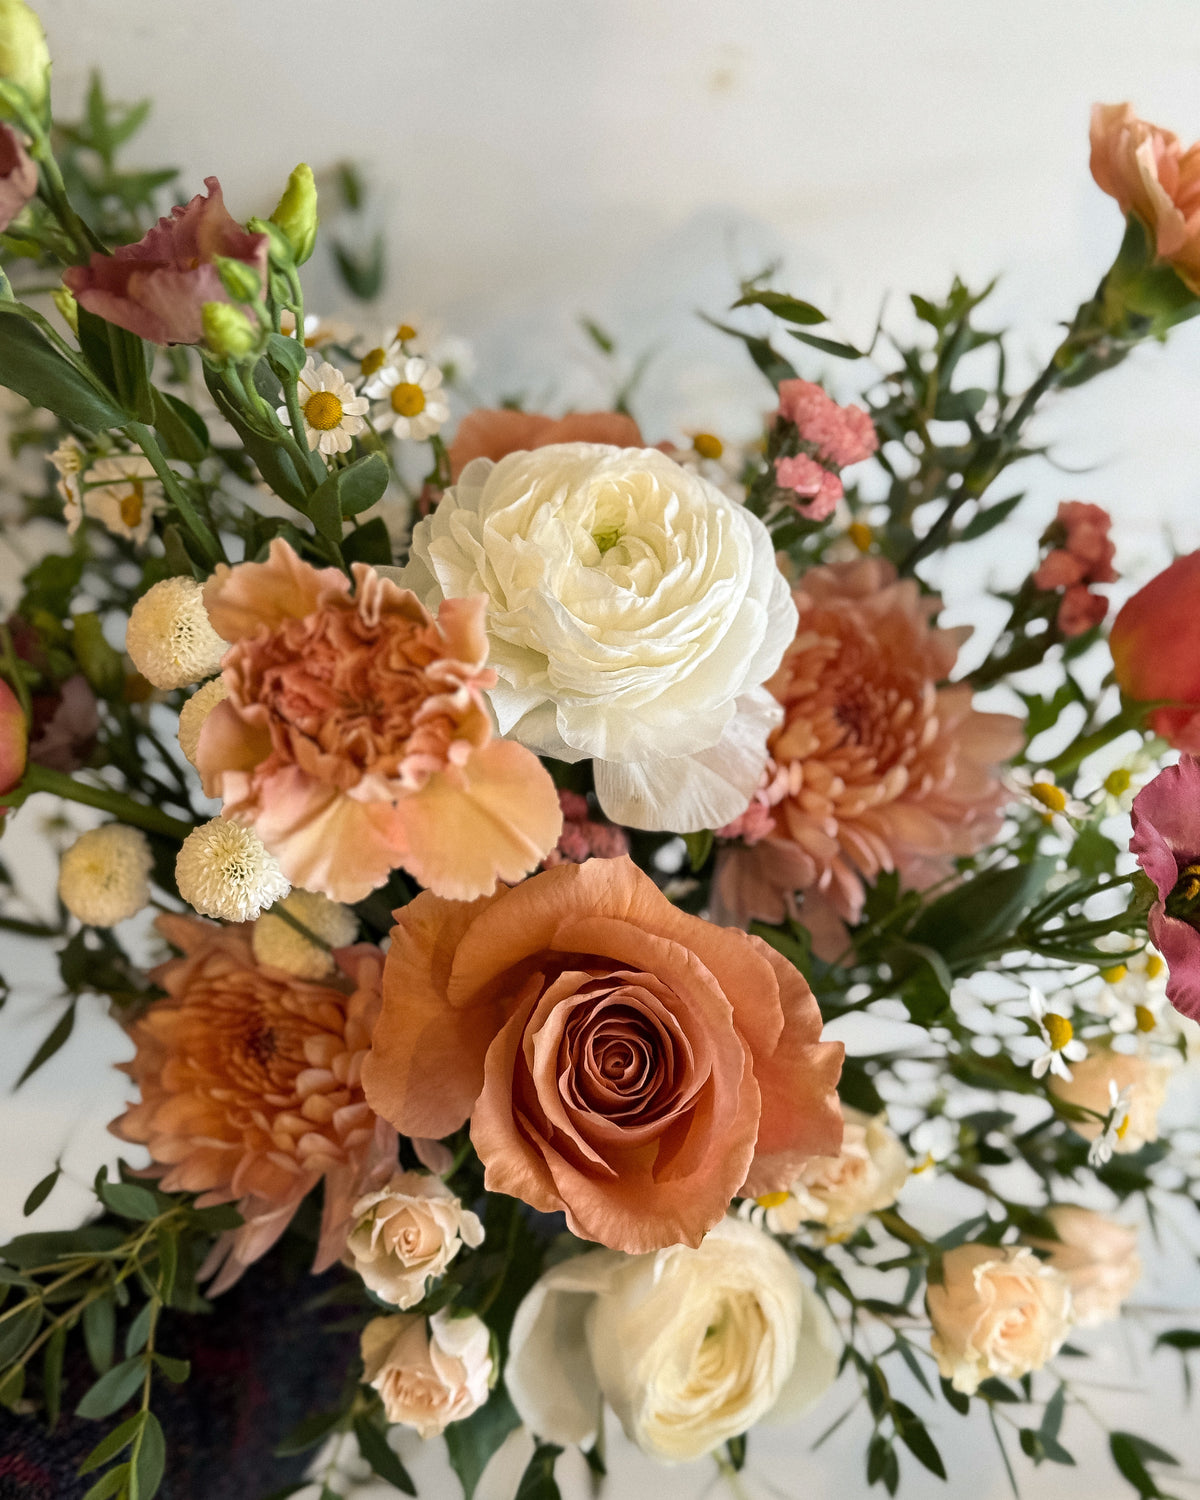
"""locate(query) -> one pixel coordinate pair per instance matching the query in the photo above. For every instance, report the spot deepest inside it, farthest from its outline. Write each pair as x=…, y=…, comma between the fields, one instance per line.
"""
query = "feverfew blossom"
x=123, y=493
x=333, y=414
x=224, y=870
x=1058, y=1038
x=102, y=879
x=1116, y=1125
x=414, y=406
x=170, y=637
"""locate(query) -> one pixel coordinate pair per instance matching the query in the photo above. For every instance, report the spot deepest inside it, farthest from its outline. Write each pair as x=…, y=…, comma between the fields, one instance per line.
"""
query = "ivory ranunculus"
x=688, y=1347
x=839, y=1191
x=998, y=1311
x=406, y=1233
x=428, y=1378
x=634, y=613
x=1097, y=1256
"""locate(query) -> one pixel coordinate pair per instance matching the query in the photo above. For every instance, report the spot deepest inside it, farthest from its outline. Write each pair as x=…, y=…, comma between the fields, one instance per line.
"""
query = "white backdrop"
x=534, y=161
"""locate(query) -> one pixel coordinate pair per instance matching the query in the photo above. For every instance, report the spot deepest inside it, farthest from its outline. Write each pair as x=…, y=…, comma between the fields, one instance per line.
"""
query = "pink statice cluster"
x=1081, y=555
x=833, y=437
x=581, y=838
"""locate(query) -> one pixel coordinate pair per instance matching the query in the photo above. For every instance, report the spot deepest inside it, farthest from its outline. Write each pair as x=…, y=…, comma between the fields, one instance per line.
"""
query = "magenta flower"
x=158, y=287
x=18, y=176
x=1166, y=842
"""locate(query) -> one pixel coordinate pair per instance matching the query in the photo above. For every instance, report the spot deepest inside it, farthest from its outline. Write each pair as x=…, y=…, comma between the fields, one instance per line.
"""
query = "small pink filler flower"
x=832, y=438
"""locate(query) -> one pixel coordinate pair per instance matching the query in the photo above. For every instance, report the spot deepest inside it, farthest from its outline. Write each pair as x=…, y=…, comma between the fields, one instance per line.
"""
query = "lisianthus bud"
x=103, y=875
x=224, y=870
x=278, y=943
x=68, y=308
x=296, y=212
x=240, y=279
x=278, y=245
x=408, y=1232
x=169, y=635
x=228, y=332
x=24, y=55
x=14, y=739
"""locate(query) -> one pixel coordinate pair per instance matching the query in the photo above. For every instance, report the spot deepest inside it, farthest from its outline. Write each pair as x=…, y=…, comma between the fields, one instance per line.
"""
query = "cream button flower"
x=688, y=1347
x=282, y=945
x=224, y=870
x=634, y=613
x=407, y=1233
x=998, y=1310
x=169, y=636
x=104, y=875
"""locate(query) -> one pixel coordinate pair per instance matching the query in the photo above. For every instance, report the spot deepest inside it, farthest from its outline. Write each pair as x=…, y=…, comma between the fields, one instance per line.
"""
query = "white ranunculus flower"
x=406, y=1233
x=634, y=613
x=688, y=1347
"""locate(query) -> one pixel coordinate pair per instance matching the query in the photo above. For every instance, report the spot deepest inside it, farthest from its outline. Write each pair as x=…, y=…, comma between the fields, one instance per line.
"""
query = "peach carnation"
x=496, y=433
x=355, y=736
x=620, y=1061
x=875, y=767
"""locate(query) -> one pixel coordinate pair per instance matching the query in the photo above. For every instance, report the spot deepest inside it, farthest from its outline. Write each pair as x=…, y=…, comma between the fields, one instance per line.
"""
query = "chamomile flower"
x=123, y=493
x=67, y=459
x=388, y=351
x=1115, y=1125
x=1058, y=1036
x=318, y=331
x=1040, y=789
x=1134, y=991
x=332, y=413
x=414, y=405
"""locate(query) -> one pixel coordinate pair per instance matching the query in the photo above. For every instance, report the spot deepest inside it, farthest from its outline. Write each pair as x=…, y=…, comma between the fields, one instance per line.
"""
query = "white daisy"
x=67, y=459
x=124, y=494
x=415, y=406
x=1041, y=790
x=389, y=350
x=1058, y=1035
x=333, y=414
x=318, y=331
x=1115, y=1125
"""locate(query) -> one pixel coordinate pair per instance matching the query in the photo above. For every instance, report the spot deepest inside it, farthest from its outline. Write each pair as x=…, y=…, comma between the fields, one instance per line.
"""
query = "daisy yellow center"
x=1117, y=782
x=408, y=400
x=1115, y=974
x=323, y=411
x=1049, y=795
x=772, y=1200
x=1059, y=1030
x=1154, y=966
x=707, y=445
x=405, y=332
x=373, y=360
x=1122, y=1128
x=860, y=534
x=132, y=504
x=1145, y=1017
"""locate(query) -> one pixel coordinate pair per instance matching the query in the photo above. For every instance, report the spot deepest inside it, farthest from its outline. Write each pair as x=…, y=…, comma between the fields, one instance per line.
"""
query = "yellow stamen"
x=323, y=411
x=405, y=332
x=924, y=1164
x=707, y=445
x=132, y=504
x=1049, y=795
x=372, y=360
x=1122, y=1128
x=1059, y=1030
x=408, y=400
x=1154, y=966
x=772, y=1200
x=1145, y=1017
x=1115, y=974
x=860, y=534
x=1117, y=782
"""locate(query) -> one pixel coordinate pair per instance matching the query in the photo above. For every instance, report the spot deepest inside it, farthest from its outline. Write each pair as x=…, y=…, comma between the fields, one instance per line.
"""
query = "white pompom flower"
x=195, y=711
x=170, y=638
x=102, y=879
x=224, y=870
x=281, y=945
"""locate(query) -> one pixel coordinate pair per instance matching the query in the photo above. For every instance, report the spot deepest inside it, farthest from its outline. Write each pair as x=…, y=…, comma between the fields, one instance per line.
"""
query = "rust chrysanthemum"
x=250, y=1089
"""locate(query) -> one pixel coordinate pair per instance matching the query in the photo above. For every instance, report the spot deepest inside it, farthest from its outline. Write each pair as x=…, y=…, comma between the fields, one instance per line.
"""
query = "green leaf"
x=41, y=1192
x=378, y=1453
x=537, y=1482
x=109, y=1484
x=828, y=346
x=99, y=1332
x=129, y=1200
x=736, y=1450
x=12, y=1387
x=472, y=1442
x=1179, y=1338
x=369, y=543
x=996, y=1390
x=111, y=1444
x=18, y=1331
x=915, y=1437
x=168, y=1262
x=983, y=909
x=58, y=1038
x=33, y=368
x=149, y=1461
x=1052, y=1417
x=769, y=361
x=139, y=1331
x=790, y=309
x=40, y=1248
x=286, y=354
x=310, y=1432
x=362, y=273
x=182, y=431
x=960, y=1402
x=271, y=459
x=176, y=1370
x=1125, y=1455
x=362, y=483
x=984, y=521
x=699, y=847
x=603, y=341
x=113, y=1390
x=52, y=1369
x=1092, y=853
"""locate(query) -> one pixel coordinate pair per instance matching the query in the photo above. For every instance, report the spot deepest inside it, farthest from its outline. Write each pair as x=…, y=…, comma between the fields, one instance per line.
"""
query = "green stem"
x=107, y=799
x=190, y=516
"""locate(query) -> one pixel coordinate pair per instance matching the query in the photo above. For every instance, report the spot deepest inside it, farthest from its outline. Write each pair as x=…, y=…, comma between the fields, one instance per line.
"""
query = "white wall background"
x=534, y=161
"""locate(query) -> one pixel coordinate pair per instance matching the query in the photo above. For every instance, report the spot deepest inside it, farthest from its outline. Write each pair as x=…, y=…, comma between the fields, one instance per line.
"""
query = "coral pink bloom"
x=14, y=739
x=877, y=766
x=1155, y=645
x=496, y=433
x=582, y=838
x=1166, y=842
x=1080, y=610
x=1151, y=175
x=250, y=1089
x=817, y=490
x=158, y=287
x=1087, y=539
x=18, y=176
x=840, y=435
x=355, y=737
x=620, y=1061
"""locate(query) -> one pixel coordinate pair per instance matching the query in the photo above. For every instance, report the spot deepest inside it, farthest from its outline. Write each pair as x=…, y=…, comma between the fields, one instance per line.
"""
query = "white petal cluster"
x=194, y=712
x=224, y=870
x=282, y=946
x=103, y=875
x=634, y=613
x=170, y=638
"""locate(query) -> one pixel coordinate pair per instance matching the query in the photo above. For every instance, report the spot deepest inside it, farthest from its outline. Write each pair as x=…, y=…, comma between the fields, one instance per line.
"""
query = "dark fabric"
x=260, y=1365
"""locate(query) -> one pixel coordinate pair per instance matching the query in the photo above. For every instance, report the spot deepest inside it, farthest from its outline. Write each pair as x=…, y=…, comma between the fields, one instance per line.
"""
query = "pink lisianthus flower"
x=355, y=737
x=158, y=287
x=18, y=175
x=817, y=489
x=1166, y=843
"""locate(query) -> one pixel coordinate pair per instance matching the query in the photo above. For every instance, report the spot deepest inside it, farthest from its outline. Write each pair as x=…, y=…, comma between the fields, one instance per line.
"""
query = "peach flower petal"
x=496, y=433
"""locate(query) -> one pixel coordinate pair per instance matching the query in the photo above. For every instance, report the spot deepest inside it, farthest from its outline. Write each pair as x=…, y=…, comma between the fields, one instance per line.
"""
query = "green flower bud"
x=296, y=212
x=24, y=55
x=228, y=332
x=242, y=282
x=65, y=301
x=280, y=247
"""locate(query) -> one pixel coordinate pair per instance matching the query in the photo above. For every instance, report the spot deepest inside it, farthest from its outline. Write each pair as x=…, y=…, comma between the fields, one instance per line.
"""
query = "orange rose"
x=1150, y=174
x=1155, y=646
x=621, y=1061
x=494, y=434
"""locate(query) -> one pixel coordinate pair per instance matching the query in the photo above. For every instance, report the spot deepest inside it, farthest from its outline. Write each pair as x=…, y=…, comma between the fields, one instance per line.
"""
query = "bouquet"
x=546, y=825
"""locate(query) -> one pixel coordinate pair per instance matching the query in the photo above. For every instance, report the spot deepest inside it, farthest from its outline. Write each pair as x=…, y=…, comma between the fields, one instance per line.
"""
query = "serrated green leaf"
x=41, y=1192
x=112, y=1390
x=379, y=1454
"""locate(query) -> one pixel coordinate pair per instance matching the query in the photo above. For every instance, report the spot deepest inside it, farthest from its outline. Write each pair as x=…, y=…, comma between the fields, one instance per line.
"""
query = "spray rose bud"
x=1097, y=1256
x=14, y=739
x=407, y=1233
x=428, y=1379
x=24, y=55
x=1155, y=645
x=228, y=332
x=296, y=212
